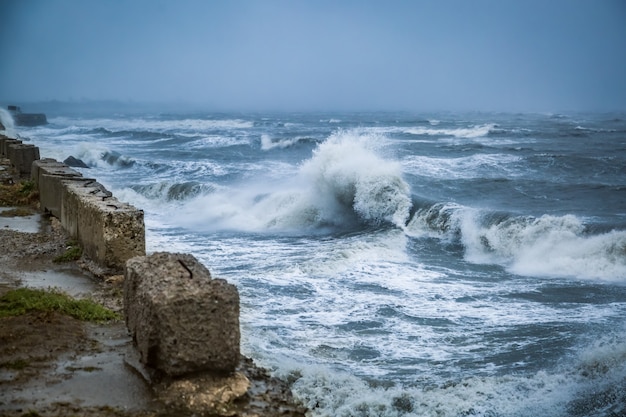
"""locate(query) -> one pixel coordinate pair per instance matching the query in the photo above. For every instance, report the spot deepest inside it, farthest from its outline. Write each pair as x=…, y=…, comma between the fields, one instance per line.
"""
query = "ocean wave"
x=99, y=156
x=216, y=141
x=6, y=119
x=344, y=184
x=474, y=166
x=550, y=246
x=169, y=191
x=268, y=143
x=117, y=159
x=345, y=170
x=135, y=135
x=591, y=382
x=460, y=132
x=156, y=125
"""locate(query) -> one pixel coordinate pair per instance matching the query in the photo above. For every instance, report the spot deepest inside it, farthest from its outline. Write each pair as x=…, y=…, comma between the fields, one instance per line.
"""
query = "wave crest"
x=553, y=246
x=343, y=185
x=346, y=169
x=7, y=120
x=460, y=132
x=171, y=191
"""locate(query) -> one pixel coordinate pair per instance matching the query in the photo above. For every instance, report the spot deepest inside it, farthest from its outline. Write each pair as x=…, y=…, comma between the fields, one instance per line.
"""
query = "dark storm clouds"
x=319, y=55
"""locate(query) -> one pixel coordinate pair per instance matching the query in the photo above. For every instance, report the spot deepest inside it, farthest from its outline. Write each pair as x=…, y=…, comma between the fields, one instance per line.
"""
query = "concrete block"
x=48, y=176
x=3, y=138
x=109, y=231
x=181, y=319
x=4, y=145
x=52, y=188
x=22, y=156
x=48, y=166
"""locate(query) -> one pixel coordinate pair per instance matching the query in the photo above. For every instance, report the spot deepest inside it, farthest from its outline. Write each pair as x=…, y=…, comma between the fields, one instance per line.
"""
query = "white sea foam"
x=217, y=141
x=156, y=125
x=590, y=383
x=474, y=166
x=295, y=327
x=459, y=132
x=337, y=394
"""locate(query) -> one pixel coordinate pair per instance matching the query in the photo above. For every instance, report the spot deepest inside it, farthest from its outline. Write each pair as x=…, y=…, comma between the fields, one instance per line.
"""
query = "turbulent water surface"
x=394, y=264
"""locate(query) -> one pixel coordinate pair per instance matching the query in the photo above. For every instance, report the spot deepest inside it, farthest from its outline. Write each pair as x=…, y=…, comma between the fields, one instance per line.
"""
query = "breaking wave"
x=156, y=125
x=6, y=119
x=267, y=143
x=553, y=246
x=461, y=132
x=344, y=184
x=97, y=156
x=172, y=191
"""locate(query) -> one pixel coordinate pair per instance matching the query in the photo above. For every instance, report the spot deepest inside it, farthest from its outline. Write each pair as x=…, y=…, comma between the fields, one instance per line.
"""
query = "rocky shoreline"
x=54, y=365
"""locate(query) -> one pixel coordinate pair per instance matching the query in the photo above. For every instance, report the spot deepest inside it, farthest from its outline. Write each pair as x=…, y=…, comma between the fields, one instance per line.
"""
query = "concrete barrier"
x=109, y=231
x=2, y=139
x=22, y=156
x=50, y=167
x=181, y=319
x=4, y=145
x=49, y=176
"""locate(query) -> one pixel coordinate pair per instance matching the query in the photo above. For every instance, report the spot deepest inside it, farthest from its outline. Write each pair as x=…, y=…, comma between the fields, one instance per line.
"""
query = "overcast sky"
x=499, y=55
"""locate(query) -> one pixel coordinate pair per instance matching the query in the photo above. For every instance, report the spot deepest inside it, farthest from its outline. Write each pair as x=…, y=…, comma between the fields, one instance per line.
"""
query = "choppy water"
x=395, y=264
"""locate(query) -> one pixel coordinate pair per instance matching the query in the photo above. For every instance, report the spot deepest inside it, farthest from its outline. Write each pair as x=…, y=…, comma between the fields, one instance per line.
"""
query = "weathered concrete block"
x=52, y=190
x=22, y=156
x=181, y=320
x=3, y=139
x=48, y=175
x=4, y=145
x=50, y=167
x=110, y=231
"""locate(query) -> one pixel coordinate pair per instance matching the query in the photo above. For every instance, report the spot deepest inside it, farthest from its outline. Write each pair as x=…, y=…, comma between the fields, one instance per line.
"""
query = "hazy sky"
x=525, y=55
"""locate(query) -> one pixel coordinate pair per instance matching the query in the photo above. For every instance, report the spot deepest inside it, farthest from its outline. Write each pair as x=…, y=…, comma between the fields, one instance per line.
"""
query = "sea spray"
x=345, y=169
x=7, y=120
x=345, y=184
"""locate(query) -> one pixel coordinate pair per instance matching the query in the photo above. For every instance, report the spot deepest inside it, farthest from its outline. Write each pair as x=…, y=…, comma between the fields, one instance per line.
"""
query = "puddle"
x=85, y=375
x=98, y=378
x=70, y=281
x=24, y=224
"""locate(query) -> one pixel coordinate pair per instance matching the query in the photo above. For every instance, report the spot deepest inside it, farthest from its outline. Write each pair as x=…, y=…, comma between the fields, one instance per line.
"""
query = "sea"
x=392, y=263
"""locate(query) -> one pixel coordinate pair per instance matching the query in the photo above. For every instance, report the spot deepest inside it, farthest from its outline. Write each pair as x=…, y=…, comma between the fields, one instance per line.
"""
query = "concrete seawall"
x=109, y=231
